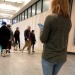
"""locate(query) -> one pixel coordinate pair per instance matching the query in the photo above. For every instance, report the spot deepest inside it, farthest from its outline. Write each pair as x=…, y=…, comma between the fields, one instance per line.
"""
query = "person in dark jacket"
x=33, y=40
x=55, y=37
x=17, y=37
x=4, y=38
x=27, y=39
x=11, y=38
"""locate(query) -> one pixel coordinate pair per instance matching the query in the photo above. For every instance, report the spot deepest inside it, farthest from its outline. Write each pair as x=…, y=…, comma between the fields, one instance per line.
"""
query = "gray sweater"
x=55, y=38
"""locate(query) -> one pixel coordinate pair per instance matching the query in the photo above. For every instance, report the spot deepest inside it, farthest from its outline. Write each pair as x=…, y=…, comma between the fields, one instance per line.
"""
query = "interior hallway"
x=18, y=63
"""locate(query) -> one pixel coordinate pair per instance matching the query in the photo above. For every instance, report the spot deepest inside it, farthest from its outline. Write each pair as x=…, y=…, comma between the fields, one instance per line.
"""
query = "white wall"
x=71, y=46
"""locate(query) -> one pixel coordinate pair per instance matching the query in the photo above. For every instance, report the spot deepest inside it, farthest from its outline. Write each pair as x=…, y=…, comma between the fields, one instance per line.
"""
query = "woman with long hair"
x=55, y=37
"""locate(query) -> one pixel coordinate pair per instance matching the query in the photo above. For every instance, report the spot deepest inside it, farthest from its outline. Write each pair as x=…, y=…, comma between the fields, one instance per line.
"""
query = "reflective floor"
x=18, y=63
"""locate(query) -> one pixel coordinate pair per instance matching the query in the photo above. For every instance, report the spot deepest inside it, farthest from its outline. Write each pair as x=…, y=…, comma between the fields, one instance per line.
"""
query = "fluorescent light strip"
x=16, y=1
x=8, y=7
x=5, y=15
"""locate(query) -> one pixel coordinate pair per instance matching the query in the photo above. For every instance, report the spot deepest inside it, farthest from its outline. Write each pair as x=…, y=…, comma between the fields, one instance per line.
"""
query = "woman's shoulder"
x=52, y=16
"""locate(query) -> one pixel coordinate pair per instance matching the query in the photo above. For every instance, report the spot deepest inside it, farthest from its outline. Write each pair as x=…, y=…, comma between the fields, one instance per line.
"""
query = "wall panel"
x=71, y=46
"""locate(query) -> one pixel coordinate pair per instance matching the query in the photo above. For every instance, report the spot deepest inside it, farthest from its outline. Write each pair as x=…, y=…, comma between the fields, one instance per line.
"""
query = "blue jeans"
x=50, y=68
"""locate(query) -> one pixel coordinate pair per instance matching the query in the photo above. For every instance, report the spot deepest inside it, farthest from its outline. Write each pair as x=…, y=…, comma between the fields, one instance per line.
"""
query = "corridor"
x=18, y=63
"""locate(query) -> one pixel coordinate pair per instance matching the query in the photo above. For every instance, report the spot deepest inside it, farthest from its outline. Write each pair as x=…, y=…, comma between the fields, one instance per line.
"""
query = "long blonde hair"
x=61, y=7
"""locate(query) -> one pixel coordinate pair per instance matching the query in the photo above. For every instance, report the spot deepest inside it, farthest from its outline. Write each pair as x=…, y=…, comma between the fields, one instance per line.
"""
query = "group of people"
x=8, y=39
x=29, y=37
x=30, y=40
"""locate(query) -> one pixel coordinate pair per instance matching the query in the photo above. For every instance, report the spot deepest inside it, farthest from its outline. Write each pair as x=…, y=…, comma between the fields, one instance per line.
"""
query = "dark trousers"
x=33, y=46
x=9, y=45
x=17, y=41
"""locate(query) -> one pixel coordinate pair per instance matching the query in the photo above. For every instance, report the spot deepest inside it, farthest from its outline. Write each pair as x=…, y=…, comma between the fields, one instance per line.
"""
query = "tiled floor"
x=18, y=63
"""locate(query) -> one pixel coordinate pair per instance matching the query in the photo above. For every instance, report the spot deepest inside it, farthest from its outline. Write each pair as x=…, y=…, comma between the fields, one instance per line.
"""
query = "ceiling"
x=10, y=7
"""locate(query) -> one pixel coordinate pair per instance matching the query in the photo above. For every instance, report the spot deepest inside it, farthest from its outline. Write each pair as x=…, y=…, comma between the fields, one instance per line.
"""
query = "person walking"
x=11, y=38
x=27, y=40
x=4, y=38
x=17, y=38
x=33, y=40
x=55, y=37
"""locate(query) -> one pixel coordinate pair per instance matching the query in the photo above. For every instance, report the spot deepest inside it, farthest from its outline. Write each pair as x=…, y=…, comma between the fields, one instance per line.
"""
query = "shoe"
x=33, y=51
x=22, y=50
x=28, y=52
x=15, y=49
x=4, y=53
x=7, y=51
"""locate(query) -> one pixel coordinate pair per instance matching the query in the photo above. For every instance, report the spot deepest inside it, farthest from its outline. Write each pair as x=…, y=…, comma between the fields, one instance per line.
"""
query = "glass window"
x=14, y=20
x=22, y=16
x=26, y=14
x=29, y=12
x=7, y=21
x=45, y=5
x=0, y=20
x=18, y=18
x=33, y=10
x=0, y=23
x=39, y=7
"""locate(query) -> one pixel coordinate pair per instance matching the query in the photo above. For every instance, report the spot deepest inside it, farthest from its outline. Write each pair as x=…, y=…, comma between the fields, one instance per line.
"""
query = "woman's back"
x=59, y=30
x=55, y=37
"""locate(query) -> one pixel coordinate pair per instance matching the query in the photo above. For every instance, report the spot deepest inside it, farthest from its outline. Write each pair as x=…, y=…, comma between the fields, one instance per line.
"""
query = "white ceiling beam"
x=25, y=7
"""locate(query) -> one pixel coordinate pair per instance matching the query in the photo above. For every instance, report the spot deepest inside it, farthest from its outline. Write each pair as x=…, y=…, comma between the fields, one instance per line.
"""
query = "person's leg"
x=56, y=68
x=47, y=67
x=4, y=52
x=33, y=48
x=8, y=47
x=29, y=47
x=4, y=47
x=26, y=43
x=15, y=43
x=19, y=43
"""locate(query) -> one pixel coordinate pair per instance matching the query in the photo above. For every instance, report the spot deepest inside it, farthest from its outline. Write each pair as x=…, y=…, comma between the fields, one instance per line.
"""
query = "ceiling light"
x=5, y=15
x=17, y=1
x=27, y=1
x=8, y=7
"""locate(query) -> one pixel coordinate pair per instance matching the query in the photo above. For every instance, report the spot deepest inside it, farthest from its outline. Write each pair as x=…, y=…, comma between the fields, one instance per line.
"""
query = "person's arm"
x=25, y=34
x=46, y=31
